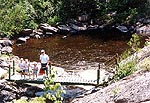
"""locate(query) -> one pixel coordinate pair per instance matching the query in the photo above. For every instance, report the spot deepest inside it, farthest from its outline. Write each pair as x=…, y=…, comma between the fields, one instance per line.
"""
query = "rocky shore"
x=75, y=27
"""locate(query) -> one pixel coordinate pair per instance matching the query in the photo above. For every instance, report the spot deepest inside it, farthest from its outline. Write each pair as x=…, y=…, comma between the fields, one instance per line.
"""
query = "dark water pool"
x=71, y=51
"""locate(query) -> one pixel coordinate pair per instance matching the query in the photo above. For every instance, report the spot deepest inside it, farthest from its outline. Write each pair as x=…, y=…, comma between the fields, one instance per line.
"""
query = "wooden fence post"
x=98, y=74
x=9, y=72
x=50, y=68
x=13, y=67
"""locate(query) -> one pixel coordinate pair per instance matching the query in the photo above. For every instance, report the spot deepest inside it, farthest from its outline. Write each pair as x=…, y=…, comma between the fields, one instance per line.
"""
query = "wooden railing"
x=12, y=69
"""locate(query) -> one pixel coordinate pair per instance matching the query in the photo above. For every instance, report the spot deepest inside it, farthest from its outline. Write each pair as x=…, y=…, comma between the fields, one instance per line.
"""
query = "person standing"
x=22, y=67
x=27, y=66
x=35, y=70
x=44, y=59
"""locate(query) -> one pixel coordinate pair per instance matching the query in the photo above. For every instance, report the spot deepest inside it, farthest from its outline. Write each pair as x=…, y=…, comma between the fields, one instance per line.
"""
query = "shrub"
x=34, y=100
x=128, y=67
x=54, y=20
x=124, y=70
x=56, y=88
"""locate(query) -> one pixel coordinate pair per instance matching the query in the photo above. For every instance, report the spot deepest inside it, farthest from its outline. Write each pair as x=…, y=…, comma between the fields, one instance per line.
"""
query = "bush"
x=127, y=68
x=34, y=100
x=56, y=88
x=54, y=20
x=15, y=17
x=124, y=70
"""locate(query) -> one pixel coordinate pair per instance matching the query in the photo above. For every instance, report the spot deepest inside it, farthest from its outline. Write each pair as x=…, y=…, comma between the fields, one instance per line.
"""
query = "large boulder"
x=26, y=32
x=22, y=40
x=6, y=50
x=11, y=91
x=144, y=30
x=48, y=28
x=132, y=89
x=6, y=42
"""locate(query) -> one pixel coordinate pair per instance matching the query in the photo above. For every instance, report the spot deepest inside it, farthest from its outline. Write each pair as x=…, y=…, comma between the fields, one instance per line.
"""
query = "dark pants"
x=44, y=68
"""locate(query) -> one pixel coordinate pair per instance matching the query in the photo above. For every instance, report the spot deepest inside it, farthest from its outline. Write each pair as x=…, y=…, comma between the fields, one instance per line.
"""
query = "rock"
x=122, y=29
x=22, y=40
x=144, y=30
x=6, y=42
x=132, y=89
x=83, y=18
x=64, y=29
x=26, y=32
x=6, y=50
x=4, y=64
x=64, y=37
x=77, y=28
x=48, y=33
x=92, y=27
x=48, y=28
x=68, y=93
x=38, y=32
x=37, y=36
x=31, y=91
x=139, y=56
x=10, y=91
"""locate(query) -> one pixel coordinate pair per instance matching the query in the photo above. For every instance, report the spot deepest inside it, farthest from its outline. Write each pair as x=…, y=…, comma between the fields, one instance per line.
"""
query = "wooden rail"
x=62, y=80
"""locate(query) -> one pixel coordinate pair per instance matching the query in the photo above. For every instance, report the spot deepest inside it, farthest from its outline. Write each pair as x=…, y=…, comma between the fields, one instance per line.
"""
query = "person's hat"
x=42, y=51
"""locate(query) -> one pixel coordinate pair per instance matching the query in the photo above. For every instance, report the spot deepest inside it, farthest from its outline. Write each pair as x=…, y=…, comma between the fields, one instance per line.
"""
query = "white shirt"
x=44, y=58
x=26, y=65
x=21, y=65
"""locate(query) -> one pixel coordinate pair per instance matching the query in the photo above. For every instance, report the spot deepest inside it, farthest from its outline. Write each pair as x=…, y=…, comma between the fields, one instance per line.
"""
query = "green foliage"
x=54, y=20
x=38, y=100
x=127, y=68
x=134, y=43
x=126, y=11
x=131, y=17
x=44, y=9
x=124, y=70
x=14, y=17
x=34, y=100
x=146, y=43
x=56, y=88
x=24, y=100
x=17, y=15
